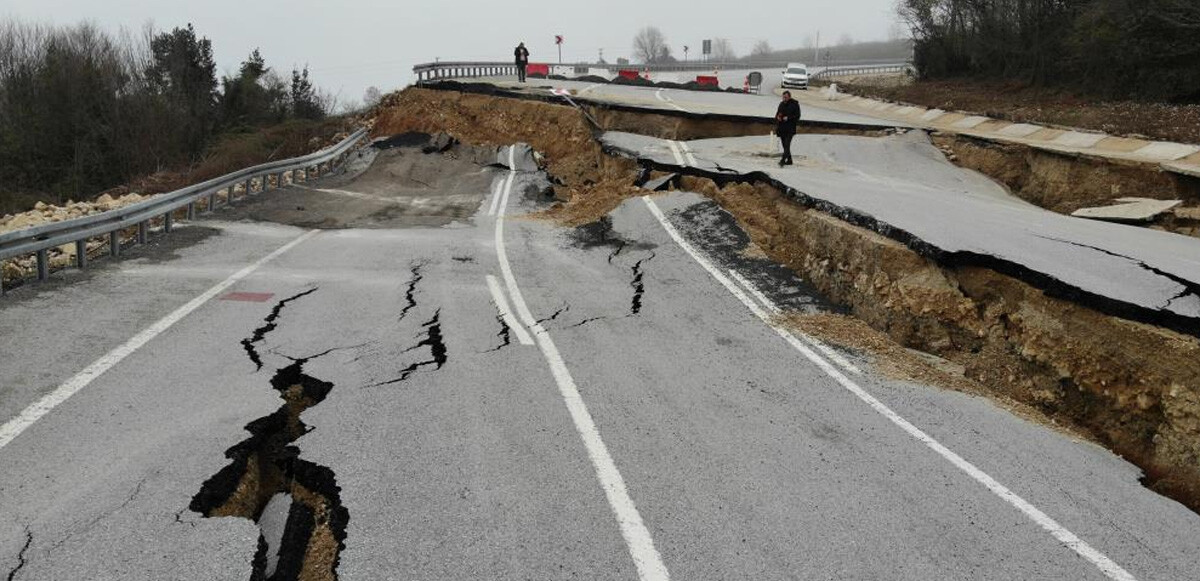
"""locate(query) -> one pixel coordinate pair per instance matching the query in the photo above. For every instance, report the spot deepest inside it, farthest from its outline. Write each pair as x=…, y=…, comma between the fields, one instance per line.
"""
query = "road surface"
x=511, y=399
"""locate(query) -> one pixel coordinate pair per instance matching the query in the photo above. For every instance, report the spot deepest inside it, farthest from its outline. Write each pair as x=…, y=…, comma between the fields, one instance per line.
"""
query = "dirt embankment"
x=1064, y=183
x=1134, y=387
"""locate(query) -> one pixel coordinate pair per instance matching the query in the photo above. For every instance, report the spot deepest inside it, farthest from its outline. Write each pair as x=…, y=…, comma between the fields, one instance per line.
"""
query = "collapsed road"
x=511, y=361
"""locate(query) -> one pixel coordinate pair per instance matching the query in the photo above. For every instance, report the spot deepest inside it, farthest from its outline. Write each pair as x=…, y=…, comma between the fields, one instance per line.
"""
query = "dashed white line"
x=1067, y=538
x=674, y=147
x=687, y=151
x=14, y=427
x=637, y=537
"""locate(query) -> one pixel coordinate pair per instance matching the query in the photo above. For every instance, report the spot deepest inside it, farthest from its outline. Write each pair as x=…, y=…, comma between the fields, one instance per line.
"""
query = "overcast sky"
x=351, y=46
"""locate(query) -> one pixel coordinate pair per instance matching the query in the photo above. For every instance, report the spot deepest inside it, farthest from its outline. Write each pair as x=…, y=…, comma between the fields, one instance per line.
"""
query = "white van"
x=796, y=76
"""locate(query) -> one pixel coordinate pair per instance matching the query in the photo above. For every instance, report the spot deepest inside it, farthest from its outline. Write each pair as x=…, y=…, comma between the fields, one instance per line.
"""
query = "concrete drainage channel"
x=296, y=503
x=1131, y=386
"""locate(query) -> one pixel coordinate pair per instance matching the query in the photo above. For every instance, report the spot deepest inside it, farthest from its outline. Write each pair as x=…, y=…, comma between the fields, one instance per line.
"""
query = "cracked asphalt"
x=454, y=454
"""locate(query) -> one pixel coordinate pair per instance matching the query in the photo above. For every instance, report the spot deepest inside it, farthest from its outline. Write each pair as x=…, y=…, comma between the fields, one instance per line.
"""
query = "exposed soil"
x=1021, y=103
x=1131, y=386
x=1064, y=183
x=393, y=188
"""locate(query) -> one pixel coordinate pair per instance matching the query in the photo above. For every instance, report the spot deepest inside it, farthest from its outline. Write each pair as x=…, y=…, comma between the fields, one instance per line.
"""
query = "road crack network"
x=437, y=351
x=267, y=465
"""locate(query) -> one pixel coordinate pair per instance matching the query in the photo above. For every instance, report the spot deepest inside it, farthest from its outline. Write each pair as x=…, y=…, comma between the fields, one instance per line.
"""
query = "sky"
x=351, y=46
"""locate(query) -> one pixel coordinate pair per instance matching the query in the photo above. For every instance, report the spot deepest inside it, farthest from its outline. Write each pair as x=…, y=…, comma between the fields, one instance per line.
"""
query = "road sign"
x=558, y=39
x=707, y=47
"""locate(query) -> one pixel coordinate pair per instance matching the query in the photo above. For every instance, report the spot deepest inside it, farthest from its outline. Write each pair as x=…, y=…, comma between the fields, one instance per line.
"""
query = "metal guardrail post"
x=143, y=232
x=191, y=211
x=168, y=222
x=43, y=264
x=114, y=243
x=81, y=257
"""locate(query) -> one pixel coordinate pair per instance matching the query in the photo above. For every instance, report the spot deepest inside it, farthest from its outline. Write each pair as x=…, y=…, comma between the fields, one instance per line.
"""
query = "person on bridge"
x=522, y=56
x=787, y=117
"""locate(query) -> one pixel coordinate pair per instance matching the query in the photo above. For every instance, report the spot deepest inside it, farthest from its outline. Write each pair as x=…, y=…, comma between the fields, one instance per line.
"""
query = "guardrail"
x=861, y=70
x=475, y=69
x=40, y=239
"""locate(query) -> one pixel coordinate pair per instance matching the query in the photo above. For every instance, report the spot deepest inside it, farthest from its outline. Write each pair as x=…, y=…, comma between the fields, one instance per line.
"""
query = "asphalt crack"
x=556, y=314
x=639, y=285
x=437, y=351
x=505, y=335
x=1190, y=288
x=21, y=555
x=271, y=322
x=586, y=321
x=410, y=296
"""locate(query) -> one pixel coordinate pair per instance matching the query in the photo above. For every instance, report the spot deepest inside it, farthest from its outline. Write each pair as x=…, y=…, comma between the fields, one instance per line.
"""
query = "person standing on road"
x=522, y=56
x=787, y=117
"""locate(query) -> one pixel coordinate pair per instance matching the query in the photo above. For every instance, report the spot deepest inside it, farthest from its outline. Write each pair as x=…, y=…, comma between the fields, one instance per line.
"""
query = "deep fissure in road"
x=267, y=465
x=1131, y=385
x=410, y=295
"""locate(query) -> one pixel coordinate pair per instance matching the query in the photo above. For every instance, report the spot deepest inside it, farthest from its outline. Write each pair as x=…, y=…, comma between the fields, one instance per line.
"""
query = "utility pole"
x=817, y=49
x=601, y=56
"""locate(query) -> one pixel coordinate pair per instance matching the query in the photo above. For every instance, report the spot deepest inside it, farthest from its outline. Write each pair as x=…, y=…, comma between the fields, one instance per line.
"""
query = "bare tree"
x=722, y=50
x=372, y=96
x=761, y=48
x=845, y=40
x=650, y=45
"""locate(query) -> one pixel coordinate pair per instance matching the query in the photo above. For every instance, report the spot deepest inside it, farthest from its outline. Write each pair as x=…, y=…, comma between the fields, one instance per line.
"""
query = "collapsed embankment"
x=1134, y=386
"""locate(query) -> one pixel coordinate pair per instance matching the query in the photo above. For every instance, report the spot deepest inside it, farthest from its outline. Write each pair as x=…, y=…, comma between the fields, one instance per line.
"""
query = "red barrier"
x=537, y=69
x=630, y=74
x=713, y=81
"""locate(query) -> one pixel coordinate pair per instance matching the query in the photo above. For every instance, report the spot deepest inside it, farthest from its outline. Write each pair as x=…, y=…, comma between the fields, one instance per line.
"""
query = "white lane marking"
x=495, y=197
x=506, y=313
x=1064, y=536
x=665, y=99
x=674, y=147
x=13, y=428
x=774, y=309
x=637, y=537
x=687, y=151
x=590, y=88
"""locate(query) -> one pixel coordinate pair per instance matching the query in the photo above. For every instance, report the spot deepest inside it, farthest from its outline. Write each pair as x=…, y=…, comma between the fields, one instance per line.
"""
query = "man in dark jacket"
x=522, y=56
x=786, y=119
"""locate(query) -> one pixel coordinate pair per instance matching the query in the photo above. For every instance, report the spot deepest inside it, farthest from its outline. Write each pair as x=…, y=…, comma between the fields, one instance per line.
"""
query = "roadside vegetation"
x=83, y=111
x=1115, y=49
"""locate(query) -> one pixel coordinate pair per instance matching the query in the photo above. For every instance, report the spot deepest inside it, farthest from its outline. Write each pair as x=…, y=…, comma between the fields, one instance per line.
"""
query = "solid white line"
x=771, y=306
x=665, y=99
x=506, y=313
x=674, y=147
x=1064, y=536
x=637, y=537
x=13, y=428
x=687, y=150
x=589, y=88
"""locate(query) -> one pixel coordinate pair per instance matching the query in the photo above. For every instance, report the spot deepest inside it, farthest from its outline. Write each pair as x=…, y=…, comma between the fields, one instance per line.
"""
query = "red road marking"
x=248, y=297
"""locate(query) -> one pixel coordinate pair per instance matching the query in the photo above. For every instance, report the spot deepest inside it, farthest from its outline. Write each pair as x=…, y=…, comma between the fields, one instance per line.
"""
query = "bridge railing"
x=40, y=239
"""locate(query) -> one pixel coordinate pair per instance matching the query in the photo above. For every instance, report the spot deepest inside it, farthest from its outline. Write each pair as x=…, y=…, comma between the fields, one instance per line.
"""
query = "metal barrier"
x=861, y=70
x=40, y=239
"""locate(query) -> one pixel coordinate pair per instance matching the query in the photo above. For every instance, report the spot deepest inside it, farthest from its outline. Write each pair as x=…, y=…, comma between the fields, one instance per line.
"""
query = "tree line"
x=1118, y=48
x=83, y=110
